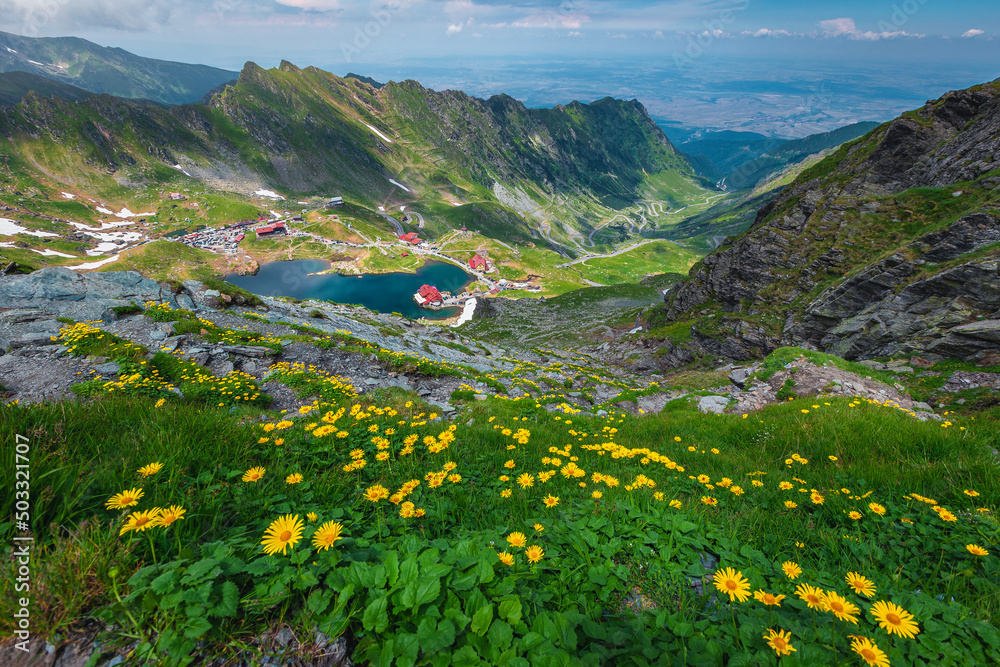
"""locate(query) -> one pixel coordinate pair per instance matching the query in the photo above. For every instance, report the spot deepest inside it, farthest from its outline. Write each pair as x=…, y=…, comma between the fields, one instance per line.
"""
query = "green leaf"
x=481, y=620
x=164, y=582
x=375, y=617
x=196, y=627
x=510, y=610
x=532, y=640
x=427, y=590
x=408, y=571
x=391, y=562
x=229, y=598
x=465, y=657
x=318, y=601
x=500, y=634
x=435, y=637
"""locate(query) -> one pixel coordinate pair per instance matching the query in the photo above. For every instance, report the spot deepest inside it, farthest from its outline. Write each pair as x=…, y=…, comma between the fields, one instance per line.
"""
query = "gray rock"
x=481, y=397
x=739, y=376
x=172, y=342
x=108, y=369
x=601, y=413
x=920, y=405
x=32, y=340
x=184, y=301
x=157, y=335
x=212, y=293
x=255, y=351
x=21, y=316
x=713, y=404
x=371, y=381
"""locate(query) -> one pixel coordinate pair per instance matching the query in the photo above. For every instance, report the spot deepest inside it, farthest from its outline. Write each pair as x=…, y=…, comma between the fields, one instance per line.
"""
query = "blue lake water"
x=383, y=292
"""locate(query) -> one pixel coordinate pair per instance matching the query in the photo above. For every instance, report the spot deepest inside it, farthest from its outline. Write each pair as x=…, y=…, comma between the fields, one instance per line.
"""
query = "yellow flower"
x=780, y=641
x=976, y=550
x=279, y=441
x=294, y=478
x=375, y=493
x=869, y=652
x=970, y=493
x=538, y=527
x=141, y=521
x=505, y=493
x=732, y=583
x=160, y=403
x=596, y=495
x=878, y=509
x=860, y=584
x=813, y=597
x=283, y=532
x=509, y=464
x=312, y=516
x=550, y=500
x=676, y=504
x=525, y=480
x=854, y=514
x=894, y=619
x=947, y=516
x=506, y=558
x=791, y=504
x=125, y=499
x=816, y=497
x=840, y=607
x=534, y=553
x=768, y=598
x=171, y=514
x=517, y=540
x=454, y=478
x=326, y=535
x=785, y=486
x=709, y=500
x=254, y=474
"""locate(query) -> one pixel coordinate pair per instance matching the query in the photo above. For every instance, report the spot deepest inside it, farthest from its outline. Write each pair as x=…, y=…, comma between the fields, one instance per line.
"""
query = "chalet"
x=240, y=238
x=335, y=202
x=176, y=196
x=428, y=295
x=271, y=230
x=477, y=262
x=411, y=238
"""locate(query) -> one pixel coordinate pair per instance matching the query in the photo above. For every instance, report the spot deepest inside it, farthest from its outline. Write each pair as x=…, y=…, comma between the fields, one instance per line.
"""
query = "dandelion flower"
x=780, y=641
x=768, y=598
x=675, y=503
x=947, y=516
x=860, y=584
x=505, y=493
x=283, y=532
x=517, y=540
x=171, y=514
x=785, y=486
x=976, y=550
x=538, y=527
x=525, y=480
x=840, y=607
x=506, y=558
x=709, y=500
x=878, y=509
x=141, y=521
x=970, y=493
x=855, y=515
x=813, y=597
x=732, y=583
x=150, y=469
x=125, y=499
x=894, y=619
x=596, y=495
x=791, y=504
x=869, y=652
x=254, y=474
x=326, y=535
x=534, y=553
x=312, y=516
x=550, y=500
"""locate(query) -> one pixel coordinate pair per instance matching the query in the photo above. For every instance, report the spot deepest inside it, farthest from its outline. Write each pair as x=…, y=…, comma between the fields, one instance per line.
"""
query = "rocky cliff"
x=889, y=246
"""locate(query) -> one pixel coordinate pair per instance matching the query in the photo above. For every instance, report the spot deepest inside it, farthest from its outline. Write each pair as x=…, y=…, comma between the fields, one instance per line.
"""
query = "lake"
x=381, y=292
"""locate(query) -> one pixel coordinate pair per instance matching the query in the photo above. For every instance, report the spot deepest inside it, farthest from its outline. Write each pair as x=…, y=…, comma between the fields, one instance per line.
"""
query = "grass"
x=597, y=551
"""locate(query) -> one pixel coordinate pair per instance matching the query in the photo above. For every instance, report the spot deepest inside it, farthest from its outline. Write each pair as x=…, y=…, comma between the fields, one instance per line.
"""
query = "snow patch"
x=35, y=62
x=68, y=195
x=105, y=211
x=466, y=316
x=104, y=225
x=52, y=253
x=268, y=193
x=10, y=228
x=400, y=185
x=94, y=265
x=125, y=213
x=181, y=169
x=7, y=244
x=10, y=49
x=373, y=129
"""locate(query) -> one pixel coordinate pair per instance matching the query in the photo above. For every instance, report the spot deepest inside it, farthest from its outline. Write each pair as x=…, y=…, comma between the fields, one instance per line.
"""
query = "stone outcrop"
x=916, y=296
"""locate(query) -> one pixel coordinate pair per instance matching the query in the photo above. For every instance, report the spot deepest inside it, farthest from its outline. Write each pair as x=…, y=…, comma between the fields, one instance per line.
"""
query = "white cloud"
x=453, y=29
x=767, y=32
x=837, y=27
x=314, y=5
x=975, y=32
x=845, y=27
x=31, y=17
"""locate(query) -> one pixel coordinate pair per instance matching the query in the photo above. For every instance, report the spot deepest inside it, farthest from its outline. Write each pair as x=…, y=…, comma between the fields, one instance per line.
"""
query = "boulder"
x=713, y=404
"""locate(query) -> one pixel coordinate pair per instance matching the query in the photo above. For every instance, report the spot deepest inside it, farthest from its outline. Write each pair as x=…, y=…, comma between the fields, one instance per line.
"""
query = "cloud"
x=313, y=5
x=31, y=17
x=838, y=27
x=846, y=27
x=975, y=32
x=453, y=29
x=767, y=32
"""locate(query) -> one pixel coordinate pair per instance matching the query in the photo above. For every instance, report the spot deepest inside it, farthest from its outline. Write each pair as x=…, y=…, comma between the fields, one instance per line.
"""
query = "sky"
x=674, y=52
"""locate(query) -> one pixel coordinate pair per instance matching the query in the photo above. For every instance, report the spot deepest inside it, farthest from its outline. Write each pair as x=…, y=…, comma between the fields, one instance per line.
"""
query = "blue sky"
x=705, y=61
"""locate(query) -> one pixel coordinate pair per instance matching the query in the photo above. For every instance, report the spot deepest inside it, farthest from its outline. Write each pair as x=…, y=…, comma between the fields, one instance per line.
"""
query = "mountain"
x=891, y=246
x=309, y=132
x=744, y=159
x=15, y=85
x=114, y=71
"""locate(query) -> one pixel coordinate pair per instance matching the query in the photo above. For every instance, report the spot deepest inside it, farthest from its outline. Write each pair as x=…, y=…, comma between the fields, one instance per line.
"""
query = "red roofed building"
x=477, y=262
x=269, y=230
x=411, y=238
x=428, y=295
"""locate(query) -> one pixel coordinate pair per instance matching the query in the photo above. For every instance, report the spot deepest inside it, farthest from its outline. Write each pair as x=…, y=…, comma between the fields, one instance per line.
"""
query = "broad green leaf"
x=481, y=620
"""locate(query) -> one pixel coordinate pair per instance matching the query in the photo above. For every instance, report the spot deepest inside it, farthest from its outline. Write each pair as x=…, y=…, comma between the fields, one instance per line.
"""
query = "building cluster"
x=221, y=240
